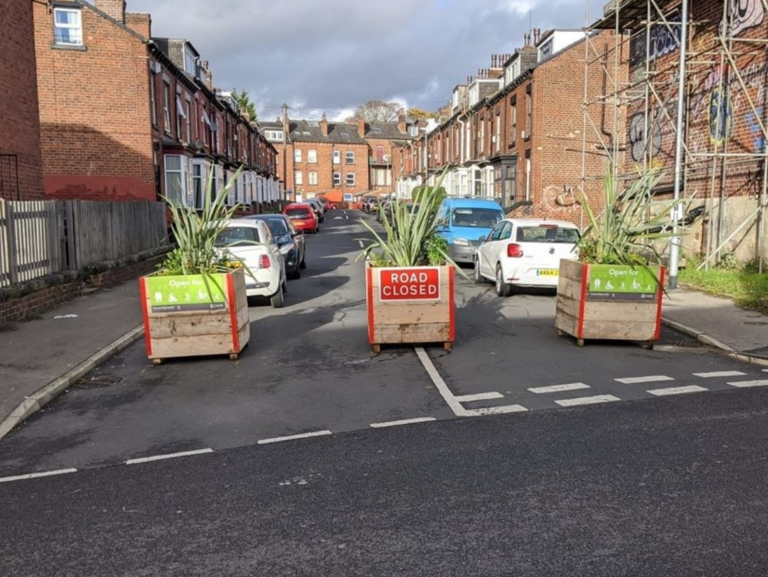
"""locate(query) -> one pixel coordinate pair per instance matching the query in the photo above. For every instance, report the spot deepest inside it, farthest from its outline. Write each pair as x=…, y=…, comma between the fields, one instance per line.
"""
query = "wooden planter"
x=609, y=302
x=410, y=305
x=185, y=318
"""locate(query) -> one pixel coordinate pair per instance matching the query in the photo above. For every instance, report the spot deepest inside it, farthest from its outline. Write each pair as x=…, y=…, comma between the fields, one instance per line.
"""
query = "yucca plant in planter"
x=410, y=277
x=615, y=288
x=196, y=304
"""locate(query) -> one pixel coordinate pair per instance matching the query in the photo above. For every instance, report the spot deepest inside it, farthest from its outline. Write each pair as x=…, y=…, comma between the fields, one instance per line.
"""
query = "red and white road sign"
x=409, y=284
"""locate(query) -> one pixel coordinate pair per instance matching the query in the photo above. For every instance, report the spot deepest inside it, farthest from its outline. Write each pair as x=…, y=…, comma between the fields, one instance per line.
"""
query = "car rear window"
x=476, y=217
x=300, y=212
x=238, y=235
x=547, y=233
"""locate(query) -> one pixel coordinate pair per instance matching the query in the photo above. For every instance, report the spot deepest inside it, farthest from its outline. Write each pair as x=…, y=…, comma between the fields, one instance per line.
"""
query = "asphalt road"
x=308, y=369
x=671, y=487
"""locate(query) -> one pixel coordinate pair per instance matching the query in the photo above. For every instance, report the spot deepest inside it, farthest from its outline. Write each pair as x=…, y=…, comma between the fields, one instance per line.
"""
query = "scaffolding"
x=711, y=143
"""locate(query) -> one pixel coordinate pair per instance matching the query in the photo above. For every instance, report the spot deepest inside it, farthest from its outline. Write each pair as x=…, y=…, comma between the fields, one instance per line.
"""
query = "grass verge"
x=748, y=289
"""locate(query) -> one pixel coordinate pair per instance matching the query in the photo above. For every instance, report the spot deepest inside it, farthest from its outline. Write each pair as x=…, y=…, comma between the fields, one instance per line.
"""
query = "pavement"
x=42, y=357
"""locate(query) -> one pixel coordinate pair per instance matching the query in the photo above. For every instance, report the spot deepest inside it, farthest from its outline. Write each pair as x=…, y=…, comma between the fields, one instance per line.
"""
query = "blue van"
x=463, y=222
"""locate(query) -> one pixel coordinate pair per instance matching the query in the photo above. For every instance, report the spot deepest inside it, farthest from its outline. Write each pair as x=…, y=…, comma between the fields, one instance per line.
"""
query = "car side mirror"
x=441, y=228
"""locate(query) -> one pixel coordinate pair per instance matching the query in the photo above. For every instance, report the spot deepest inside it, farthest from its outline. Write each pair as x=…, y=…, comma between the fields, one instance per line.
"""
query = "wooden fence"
x=43, y=237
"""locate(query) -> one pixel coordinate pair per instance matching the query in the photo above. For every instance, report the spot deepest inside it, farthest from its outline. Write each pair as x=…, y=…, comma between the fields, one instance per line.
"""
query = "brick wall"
x=94, y=103
x=19, y=113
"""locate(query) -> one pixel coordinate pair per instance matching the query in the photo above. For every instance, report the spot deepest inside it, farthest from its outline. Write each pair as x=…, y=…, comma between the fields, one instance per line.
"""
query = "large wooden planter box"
x=609, y=302
x=410, y=305
x=186, y=317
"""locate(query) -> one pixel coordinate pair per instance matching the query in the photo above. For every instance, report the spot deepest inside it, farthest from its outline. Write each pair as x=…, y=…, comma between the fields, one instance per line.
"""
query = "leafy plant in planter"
x=196, y=304
x=410, y=276
x=614, y=290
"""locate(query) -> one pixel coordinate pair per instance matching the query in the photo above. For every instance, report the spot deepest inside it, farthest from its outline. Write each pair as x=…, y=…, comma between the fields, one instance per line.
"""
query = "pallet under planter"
x=184, y=317
x=590, y=305
x=410, y=306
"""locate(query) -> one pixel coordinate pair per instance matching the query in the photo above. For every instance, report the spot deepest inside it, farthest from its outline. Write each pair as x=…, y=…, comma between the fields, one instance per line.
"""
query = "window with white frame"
x=153, y=97
x=178, y=180
x=312, y=156
x=336, y=178
x=187, y=121
x=350, y=180
x=167, y=107
x=497, y=132
x=312, y=176
x=180, y=117
x=67, y=27
x=336, y=157
x=200, y=176
x=298, y=177
x=297, y=155
x=350, y=157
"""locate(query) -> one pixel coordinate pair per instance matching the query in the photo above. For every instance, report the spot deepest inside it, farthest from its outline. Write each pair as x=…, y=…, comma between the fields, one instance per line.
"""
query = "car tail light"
x=264, y=262
x=514, y=250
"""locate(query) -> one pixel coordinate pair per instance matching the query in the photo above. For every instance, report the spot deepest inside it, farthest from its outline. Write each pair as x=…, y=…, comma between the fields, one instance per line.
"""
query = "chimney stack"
x=115, y=9
x=324, y=125
x=402, y=127
x=361, y=127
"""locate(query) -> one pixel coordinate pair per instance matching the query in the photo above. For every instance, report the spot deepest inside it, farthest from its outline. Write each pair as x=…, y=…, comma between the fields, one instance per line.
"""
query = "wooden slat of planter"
x=625, y=311
x=192, y=325
x=619, y=330
x=192, y=346
x=414, y=333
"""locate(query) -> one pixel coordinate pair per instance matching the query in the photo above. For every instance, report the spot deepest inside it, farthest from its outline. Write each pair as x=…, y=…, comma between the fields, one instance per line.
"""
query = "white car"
x=251, y=242
x=525, y=252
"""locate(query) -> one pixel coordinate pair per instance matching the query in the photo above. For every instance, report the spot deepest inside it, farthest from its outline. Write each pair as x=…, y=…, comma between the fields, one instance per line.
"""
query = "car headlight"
x=286, y=248
x=461, y=241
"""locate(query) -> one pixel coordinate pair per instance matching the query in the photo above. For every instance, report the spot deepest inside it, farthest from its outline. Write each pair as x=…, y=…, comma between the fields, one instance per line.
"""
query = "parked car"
x=303, y=217
x=318, y=207
x=251, y=242
x=289, y=239
x=525, y=252
x=464, y=223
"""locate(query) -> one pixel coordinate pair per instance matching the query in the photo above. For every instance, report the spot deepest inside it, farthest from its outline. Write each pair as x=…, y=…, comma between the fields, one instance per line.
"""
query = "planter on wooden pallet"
x=612, y=302
x=410, y=305
x=192, y=315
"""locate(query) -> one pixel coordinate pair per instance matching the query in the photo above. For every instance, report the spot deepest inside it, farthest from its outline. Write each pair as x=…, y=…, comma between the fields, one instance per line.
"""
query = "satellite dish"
x=199, y=144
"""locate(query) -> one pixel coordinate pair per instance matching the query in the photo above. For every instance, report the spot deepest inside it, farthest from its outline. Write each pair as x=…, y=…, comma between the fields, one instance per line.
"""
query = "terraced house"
x=128, y=116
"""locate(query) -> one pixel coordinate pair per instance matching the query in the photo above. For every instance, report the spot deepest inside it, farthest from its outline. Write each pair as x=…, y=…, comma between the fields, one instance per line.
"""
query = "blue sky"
x=332, y=55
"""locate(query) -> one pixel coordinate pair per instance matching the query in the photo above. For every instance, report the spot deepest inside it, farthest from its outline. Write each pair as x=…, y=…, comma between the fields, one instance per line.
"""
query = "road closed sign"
x=409, y=284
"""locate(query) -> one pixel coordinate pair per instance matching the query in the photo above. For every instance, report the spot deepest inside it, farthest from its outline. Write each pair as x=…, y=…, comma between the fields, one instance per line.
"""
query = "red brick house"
x=127, y=116
x=21, y=176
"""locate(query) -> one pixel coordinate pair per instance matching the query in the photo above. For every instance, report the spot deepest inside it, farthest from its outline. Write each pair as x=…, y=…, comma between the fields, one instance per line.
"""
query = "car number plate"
x=548, y=272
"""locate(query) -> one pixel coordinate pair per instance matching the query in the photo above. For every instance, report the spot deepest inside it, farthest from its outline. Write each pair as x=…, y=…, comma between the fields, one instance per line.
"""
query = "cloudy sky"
x=333, y=55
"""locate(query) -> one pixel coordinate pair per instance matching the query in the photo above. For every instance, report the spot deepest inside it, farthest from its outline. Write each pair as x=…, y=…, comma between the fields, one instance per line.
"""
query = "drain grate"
x=96, y=382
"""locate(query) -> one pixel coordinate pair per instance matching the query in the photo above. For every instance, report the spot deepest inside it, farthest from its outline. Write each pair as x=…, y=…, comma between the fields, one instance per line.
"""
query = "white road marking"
x=438, y=381
x=648, y=379
x=719, y=374
x=37, y=475
x=496, y=410
x=559, y=388
x=587, y=400
x=678, y=390
x=293, y=437
x=479, y=397
x=168, y=456
x=743, y=384
x=403, y=422
x=362, y=244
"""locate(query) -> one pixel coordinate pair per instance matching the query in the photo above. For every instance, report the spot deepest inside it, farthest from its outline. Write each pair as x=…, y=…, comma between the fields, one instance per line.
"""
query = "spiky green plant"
x=632, y=220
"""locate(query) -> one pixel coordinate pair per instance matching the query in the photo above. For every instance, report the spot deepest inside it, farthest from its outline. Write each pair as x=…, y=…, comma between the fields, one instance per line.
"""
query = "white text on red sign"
x=409, y=284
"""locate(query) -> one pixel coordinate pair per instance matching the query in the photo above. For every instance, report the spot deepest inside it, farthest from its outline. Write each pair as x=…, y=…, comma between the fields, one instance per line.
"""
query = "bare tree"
x=376, y=111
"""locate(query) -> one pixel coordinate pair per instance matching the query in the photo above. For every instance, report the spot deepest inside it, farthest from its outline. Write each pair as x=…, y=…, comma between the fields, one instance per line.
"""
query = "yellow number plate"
x=548, y=272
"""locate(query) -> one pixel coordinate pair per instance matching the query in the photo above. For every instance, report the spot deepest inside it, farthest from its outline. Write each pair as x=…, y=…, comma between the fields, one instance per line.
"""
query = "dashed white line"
x=678, y=390
x=716, y=374
x=37, y=475
x=479, y=397
x=558, y=388
x=293, y=437
x=648, y=379
x=495, y=411
x=403, y=422
x=744, y=384
x=587, y=400
x=167, y=456
x=362, y=244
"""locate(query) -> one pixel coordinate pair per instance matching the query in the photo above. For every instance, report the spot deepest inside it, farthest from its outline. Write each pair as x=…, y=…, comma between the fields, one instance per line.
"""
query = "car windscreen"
x=547, y=233
x=277, y=226
x=476, y=217
x=297, y=212
x=238, y=235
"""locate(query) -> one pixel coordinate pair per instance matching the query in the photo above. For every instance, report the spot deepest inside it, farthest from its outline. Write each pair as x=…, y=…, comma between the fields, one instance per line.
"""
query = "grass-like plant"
x=632, y=220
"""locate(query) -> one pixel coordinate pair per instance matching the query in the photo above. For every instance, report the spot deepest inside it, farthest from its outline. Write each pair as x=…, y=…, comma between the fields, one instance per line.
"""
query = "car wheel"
x=503, y=289
x=277, y=300
x=478, y=277
x=303, y=263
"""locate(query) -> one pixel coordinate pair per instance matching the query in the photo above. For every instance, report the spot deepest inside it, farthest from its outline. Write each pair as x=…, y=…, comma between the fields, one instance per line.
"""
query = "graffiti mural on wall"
x=720, y=115
x=755, y=130
x=664, y=39
x=637, y=135
x=743, y=15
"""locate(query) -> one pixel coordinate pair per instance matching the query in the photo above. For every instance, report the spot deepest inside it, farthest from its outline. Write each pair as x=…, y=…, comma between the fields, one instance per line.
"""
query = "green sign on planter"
x=186, y=293
x=620, y=282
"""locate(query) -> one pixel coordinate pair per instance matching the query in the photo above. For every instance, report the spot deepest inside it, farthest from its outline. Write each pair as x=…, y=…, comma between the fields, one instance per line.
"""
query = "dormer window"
x=67, y=27
x=190, y=62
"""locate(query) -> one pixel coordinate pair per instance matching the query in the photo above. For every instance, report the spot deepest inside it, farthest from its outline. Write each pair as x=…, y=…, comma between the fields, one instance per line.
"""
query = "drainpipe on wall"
x=527, y=179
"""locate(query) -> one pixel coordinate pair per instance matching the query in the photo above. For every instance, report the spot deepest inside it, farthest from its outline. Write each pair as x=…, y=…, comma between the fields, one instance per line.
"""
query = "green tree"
x=244, y=103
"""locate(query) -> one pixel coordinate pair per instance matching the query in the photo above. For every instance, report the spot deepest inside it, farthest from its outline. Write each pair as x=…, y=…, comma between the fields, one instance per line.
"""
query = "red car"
x=303, y=217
